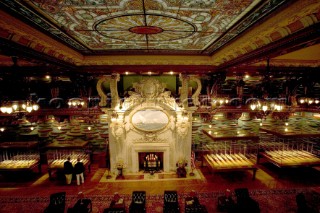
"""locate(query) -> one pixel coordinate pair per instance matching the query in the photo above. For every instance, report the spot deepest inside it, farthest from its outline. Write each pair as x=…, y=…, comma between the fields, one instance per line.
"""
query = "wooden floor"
x=267, y=177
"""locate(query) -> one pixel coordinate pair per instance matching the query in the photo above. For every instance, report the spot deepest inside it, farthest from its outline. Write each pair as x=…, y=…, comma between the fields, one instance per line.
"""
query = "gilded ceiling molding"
x=29, y=37
x=298, y=16
x=146, y=60
x=294, y=63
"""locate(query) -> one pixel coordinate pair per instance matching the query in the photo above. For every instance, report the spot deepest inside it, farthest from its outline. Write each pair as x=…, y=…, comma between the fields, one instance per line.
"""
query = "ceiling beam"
x=10, y=48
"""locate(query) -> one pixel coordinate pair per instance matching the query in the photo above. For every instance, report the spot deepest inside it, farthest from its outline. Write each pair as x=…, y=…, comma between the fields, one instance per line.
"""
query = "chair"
x=171, y=204
x=117, y=204
x=192, y=204
x=81, y=206
x=244, y=202
x=113, y=210
x=57, y=203
x=138, y=203
x=303, y=206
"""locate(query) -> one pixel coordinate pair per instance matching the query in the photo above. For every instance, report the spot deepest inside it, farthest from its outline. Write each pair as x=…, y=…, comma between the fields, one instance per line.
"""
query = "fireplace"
x=150, y=161
x=140, y=151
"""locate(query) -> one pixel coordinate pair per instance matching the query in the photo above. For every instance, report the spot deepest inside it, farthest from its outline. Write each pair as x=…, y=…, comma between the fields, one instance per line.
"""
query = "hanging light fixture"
x=76, y=103
x=309, y=101
x=20, y=106
x=265, y=107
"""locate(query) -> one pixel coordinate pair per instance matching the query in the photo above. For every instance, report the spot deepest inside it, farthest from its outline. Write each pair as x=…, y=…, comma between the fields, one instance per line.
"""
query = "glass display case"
x=229, y=147
x=57, y=154
x=19, y=156
x=297, y=153
x=227, y=156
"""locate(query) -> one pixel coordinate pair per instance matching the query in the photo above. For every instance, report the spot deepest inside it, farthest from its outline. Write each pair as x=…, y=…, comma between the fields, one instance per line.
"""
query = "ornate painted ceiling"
x=215, y=33
x=218, y=39
x=153, y=26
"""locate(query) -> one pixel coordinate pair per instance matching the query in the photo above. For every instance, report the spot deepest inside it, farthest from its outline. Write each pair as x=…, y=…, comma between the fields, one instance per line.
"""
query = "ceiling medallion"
x=146, y=30
x=135, y=28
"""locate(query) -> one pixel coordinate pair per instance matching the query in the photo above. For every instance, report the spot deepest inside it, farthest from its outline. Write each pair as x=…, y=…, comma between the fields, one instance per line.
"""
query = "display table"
x=229, y=162
x=19, y=156
x=290, y=158
x=72, y=144
x=216, y=135
x=291, y=147
x=231, y=150
x=287, y=134
x=58, y=152
x=19, y=145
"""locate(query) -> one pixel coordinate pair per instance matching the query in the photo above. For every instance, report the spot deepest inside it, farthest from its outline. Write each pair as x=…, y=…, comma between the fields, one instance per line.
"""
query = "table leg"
x=49, y=172
x=254, y=174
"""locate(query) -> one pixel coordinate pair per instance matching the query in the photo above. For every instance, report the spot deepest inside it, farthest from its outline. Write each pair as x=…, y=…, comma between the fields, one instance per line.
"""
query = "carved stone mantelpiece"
x=149, y=120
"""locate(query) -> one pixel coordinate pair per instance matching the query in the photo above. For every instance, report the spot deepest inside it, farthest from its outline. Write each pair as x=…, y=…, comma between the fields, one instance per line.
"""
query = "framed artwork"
x=150, y=120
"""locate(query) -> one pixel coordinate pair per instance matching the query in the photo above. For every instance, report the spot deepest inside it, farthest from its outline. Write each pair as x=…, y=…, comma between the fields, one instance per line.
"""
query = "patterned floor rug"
x=269, y=200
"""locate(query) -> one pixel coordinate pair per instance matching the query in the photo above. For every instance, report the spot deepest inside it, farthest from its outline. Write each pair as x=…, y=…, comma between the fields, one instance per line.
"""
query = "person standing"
x=68, y=171
x=79, y=170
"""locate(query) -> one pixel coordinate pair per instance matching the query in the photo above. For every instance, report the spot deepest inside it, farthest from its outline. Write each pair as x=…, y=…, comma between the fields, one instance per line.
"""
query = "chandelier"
x=219, y=101
x=76, y=103
x=265, y=107
x=20, y=106
x=309, y=100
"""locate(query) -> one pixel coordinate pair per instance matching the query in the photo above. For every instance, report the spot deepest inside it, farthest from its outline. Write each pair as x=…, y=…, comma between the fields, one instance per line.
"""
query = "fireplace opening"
x=151, y=161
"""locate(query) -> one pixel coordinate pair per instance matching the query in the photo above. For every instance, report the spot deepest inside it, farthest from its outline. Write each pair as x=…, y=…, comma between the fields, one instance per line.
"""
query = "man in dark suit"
x=68, y=171
x=79, y=170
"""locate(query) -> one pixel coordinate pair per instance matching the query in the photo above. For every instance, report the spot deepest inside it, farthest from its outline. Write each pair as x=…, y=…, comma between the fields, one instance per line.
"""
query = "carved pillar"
x=184, y=90
x=195, y=95
x=185, y=79
x=113, y=80
x=115, y=100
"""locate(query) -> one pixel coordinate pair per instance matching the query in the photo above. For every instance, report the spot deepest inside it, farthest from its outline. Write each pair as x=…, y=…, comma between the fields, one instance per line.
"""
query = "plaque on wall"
x=150, y=120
